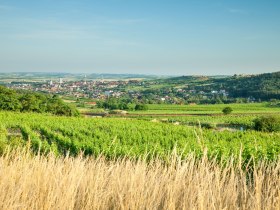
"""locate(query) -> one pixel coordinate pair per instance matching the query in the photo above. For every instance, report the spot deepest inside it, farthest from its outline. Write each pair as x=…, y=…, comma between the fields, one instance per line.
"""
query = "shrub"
x=141, y=107
x=267, y=124
x=208, y=125
x=227, y=110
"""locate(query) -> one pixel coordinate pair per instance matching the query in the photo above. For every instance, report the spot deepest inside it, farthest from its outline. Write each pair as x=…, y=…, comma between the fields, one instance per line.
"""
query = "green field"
x=209, y=109
x=243, y=115
x=181, y=110
x=131, y=137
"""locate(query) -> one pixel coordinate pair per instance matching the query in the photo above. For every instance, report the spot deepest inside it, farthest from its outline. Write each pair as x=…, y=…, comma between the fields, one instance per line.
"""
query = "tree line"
x=122, y=104
x=21, y=101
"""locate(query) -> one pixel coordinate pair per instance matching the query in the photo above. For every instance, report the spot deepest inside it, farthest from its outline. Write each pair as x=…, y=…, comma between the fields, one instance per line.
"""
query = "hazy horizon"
x=136, y=74
x=140, y=37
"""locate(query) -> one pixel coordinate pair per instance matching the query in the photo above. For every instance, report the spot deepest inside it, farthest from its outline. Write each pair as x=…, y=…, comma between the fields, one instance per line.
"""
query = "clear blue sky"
x=140, y=36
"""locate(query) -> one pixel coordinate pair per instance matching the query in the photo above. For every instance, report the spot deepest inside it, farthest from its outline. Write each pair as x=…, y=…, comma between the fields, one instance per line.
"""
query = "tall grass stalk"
x=29, y=181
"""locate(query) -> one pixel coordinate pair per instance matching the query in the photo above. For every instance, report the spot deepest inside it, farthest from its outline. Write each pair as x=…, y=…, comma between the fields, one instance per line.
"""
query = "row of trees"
x=11, y=100
x=122, y=104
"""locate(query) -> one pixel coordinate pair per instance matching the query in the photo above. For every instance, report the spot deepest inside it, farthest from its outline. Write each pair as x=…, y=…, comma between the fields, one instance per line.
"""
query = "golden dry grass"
x=48, y=182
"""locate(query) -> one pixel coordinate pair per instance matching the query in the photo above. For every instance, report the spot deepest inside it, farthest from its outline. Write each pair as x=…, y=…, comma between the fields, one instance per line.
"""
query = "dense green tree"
x=114, y=103
x=267, y=123
x=30, y=103
x=141, y=107
x=9, y=103
x=227, y=110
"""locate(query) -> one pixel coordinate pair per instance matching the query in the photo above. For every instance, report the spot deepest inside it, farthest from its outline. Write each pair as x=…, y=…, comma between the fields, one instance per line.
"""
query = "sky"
x=164, y=37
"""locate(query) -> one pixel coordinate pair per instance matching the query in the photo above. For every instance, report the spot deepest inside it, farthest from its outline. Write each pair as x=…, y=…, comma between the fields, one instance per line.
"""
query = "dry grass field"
x=47, y=182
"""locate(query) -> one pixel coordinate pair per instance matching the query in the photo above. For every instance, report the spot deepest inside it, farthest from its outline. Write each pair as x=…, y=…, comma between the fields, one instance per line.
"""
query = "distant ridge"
x=260, y=86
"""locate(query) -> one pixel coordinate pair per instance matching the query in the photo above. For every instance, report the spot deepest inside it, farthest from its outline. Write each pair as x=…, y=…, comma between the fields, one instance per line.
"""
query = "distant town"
x=101, y=89
x=150, y=89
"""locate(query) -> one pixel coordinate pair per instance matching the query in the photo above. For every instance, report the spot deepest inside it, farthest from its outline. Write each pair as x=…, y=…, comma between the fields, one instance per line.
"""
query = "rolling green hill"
x=262, y=86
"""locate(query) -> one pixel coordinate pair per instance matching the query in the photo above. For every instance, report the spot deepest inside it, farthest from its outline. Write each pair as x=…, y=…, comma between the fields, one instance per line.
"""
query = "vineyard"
x=121, y=137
